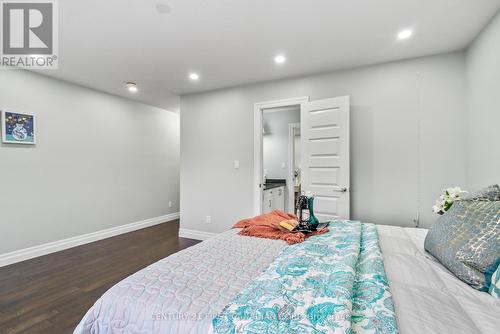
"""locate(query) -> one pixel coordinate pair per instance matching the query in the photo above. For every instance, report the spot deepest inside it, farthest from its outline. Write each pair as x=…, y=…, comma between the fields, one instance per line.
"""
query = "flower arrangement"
x=446, y=200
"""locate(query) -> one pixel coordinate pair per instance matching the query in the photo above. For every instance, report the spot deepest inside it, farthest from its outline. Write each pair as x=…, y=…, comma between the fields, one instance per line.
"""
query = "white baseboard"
x=195, y=234
x=56, y=246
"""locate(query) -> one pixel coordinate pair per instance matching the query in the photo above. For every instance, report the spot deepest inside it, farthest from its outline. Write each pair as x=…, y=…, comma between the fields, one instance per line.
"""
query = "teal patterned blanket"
x=332, y=283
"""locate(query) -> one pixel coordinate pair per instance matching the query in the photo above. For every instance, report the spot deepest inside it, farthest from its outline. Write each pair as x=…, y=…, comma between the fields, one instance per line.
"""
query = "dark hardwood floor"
x=51, y=294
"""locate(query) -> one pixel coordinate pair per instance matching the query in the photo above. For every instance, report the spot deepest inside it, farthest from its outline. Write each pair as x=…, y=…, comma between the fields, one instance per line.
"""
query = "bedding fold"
x=332, y=283
x=373, y=308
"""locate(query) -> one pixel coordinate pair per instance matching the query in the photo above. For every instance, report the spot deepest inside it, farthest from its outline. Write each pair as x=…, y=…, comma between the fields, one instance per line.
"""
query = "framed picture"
x=18, y=128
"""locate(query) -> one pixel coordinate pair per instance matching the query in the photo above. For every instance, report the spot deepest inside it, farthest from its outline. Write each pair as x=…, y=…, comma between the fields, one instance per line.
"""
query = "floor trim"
x=56, y=246
x=195, y=234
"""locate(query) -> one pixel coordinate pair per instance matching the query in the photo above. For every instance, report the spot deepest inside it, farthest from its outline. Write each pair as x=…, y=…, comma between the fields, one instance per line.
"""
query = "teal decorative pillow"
x=466, y=239
x=491, y=193
x=495, y=283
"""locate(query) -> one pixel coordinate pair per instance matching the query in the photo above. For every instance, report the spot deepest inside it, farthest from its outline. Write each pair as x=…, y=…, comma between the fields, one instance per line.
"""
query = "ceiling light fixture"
x=163, y=8
x=405, y=34
x=194, y=76
x=132, y=86
x=280, y=59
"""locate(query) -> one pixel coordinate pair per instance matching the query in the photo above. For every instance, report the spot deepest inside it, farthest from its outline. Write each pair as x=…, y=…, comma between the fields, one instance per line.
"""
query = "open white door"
x=325, y=156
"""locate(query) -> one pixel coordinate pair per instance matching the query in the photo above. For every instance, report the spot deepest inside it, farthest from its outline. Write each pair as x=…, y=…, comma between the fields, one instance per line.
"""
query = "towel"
x=265, y=226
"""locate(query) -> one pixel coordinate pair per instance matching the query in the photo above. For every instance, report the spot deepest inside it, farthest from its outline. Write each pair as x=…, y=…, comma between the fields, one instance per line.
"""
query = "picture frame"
x=18, y=128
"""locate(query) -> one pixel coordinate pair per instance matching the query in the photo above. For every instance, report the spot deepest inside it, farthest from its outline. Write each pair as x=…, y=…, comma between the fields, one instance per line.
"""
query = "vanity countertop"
x=274, y=183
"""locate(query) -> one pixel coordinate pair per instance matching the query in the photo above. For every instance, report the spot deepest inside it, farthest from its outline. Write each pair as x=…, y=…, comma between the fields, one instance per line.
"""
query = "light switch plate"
x=236, y=164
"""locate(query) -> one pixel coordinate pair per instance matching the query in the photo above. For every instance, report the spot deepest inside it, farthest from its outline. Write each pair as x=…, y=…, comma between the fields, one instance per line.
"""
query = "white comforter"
x=183, y=292
x=427, y=297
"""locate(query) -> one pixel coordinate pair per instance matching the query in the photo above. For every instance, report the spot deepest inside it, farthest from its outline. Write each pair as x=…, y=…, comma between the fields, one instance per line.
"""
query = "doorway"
x=271, y=127
x=278, y=157
x=324, y=156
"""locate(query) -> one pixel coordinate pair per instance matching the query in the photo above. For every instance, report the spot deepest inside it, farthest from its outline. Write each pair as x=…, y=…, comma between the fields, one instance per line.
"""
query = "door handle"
x=340, y=189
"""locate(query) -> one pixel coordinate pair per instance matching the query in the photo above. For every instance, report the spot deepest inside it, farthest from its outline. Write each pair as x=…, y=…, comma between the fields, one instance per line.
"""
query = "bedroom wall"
x=483, y=108
x=100, y=161
x=406, y=120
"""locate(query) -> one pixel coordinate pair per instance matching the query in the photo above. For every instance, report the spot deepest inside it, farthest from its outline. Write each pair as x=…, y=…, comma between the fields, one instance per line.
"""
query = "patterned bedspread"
x=333, y=283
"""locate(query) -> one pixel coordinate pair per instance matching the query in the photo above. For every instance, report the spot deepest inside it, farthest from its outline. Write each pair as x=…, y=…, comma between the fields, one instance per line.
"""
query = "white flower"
x=436, y=209
x=454, y=192
x=446, y=200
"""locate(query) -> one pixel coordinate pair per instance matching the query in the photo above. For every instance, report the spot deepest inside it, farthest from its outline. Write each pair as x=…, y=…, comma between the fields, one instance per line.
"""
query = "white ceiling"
x=104, y=43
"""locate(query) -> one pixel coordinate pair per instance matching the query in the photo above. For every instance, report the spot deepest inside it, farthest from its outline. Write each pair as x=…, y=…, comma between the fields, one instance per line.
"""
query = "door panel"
x=325, y=156
x=323, y=176
x=324, y=205
x=324, y=117
x=324, y=147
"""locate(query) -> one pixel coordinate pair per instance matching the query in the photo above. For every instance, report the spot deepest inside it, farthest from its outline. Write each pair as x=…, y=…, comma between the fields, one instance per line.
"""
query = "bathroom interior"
x=281, y=159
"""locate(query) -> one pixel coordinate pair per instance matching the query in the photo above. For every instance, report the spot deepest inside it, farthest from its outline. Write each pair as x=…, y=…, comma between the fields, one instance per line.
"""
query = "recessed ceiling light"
x=194, y=76
x=405, y=34
x=132, y=86
x=280, y=59
x=163, y=8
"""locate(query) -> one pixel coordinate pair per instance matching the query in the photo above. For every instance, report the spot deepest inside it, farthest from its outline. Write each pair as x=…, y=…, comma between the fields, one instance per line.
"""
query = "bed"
x=184, y=292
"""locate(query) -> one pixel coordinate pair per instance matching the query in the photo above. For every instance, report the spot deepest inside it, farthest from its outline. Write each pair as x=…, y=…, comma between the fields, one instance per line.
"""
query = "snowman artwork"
x=19, y=132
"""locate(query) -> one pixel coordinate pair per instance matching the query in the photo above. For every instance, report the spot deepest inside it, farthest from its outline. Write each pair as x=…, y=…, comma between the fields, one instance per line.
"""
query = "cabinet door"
x=279, y=198
x=267, y=201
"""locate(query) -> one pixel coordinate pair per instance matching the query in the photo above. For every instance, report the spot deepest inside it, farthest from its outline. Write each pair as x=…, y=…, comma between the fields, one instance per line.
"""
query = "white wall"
x=100, y=161
x=407, y=142
x=297, y=154
x=275, y=141
x=483, y=108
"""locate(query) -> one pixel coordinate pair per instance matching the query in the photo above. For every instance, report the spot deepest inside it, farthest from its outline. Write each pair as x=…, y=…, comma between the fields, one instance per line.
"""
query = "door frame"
x=259, y=108
x=292, y=127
